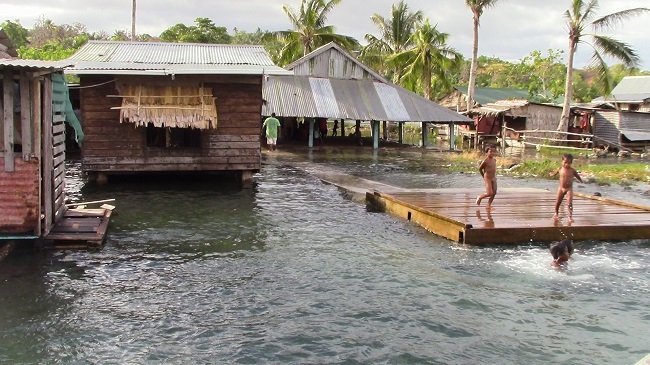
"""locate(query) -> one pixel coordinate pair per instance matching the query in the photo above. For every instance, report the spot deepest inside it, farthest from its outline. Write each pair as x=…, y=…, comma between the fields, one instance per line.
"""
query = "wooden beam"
x=8, y=116
x=25, y=116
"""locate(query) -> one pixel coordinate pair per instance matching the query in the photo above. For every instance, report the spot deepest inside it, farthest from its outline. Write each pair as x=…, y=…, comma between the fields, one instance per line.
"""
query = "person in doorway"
x=335, y=129
x=561, y=252
x=272, y=125
x=567, y=174
x=488, y=170
x=322, y=128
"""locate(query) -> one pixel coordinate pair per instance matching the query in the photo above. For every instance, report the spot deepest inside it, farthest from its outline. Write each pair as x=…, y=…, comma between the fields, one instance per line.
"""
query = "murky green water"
x=291, y=272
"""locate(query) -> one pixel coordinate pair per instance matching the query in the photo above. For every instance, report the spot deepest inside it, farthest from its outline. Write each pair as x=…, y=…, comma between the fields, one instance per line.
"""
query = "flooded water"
x=292, y=272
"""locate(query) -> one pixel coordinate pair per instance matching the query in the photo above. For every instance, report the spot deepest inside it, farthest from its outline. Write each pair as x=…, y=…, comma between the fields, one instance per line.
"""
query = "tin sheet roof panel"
x=350, y=99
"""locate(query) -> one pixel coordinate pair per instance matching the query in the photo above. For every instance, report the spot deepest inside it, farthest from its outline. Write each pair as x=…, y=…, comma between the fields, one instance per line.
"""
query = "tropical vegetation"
x=407, y=48
x=581, y=16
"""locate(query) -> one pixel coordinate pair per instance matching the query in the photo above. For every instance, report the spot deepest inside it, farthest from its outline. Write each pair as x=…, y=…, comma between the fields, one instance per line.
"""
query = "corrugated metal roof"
x=484, y=95
x=631, y=88
x=33, y=64
x=304, y=96
x=151, y=58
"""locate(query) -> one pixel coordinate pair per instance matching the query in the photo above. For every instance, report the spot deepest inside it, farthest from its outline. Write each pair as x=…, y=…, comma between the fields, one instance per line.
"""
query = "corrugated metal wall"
x=606, y=126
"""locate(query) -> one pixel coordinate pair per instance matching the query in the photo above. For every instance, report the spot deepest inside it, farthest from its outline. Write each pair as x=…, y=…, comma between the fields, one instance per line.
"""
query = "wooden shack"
x=513, y=119
x=171, y=107
x=32, y=170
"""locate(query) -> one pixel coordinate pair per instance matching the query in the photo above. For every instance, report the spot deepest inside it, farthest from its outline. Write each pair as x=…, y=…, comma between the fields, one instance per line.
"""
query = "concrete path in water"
x=357, y=187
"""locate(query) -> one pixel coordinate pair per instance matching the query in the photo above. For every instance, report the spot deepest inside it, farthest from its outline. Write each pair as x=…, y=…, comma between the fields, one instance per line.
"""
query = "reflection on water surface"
x=293, y=272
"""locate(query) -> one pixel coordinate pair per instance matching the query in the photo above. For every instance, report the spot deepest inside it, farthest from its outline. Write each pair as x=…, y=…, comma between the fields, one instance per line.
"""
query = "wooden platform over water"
x=519, y=215
x=81, y=228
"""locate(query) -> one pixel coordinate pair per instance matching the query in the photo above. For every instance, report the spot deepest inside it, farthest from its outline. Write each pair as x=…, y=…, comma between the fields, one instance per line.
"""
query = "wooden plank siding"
x=114, y=147
x=59, y=96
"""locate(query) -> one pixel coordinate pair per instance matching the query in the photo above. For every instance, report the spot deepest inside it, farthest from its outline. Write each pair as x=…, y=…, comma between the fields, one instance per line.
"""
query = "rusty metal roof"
x=312, y=97
x=157, y=58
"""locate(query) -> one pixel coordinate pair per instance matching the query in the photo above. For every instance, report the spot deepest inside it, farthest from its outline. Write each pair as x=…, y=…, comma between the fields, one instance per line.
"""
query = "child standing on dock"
x=488, y=170
x=567, y=174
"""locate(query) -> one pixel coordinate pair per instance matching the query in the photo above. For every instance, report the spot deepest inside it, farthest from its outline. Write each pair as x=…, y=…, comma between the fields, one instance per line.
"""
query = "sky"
x=510, y=30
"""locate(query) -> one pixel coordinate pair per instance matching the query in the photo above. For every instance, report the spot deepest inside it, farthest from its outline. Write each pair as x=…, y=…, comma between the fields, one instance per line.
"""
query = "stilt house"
x=32, y=142
x=329, y=83
x=171, y=107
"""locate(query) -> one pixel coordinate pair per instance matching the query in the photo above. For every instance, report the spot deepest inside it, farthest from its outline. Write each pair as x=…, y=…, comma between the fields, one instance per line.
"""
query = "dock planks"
x=519, y=216
x=81, y=227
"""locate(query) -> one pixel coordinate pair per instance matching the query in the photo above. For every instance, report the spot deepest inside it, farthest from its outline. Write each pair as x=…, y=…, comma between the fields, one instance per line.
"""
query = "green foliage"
x=272, y=45
x=205, y=31
x=395, y=36
x=310, y=30
x=48, y=52
x=429, y=59
x=16, y=32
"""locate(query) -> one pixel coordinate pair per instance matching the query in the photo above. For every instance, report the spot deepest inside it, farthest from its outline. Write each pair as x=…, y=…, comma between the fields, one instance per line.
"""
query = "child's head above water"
x=562, y=250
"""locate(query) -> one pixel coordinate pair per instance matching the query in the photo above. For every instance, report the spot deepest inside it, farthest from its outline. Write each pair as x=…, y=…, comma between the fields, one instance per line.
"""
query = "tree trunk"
x=427, y=78
x=568, y=88
x=472, y=70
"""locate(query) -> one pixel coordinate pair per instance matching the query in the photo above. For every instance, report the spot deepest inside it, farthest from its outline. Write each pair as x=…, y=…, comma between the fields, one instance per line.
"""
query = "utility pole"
x=133, y=23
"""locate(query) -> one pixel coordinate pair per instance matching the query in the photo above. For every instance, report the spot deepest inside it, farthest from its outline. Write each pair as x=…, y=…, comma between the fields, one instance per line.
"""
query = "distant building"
x=457, y=98
x=631, y=94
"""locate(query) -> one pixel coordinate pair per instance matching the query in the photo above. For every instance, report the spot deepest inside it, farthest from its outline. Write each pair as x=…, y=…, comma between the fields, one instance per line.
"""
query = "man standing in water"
x=272, y=125
x=488, y=170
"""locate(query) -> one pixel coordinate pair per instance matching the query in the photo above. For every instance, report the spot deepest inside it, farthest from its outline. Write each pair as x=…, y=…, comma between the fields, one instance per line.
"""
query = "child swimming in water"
x=561, y=252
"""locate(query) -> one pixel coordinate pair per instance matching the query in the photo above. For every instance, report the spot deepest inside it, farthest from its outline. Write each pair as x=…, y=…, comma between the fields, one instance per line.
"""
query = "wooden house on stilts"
x=34, y=105
x=330, y=83
x=171, y=107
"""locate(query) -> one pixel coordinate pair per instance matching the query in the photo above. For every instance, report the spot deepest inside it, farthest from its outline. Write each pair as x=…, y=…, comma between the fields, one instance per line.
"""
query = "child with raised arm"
x=567, y=174
x=488, y=170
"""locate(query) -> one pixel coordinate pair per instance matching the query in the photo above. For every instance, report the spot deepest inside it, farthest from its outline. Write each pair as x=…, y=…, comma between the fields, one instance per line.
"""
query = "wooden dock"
x=519, y=216
x=81, y=228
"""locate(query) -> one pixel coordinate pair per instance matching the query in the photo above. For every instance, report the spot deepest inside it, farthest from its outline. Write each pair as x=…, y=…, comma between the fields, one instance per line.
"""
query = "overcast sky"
x=510, y=30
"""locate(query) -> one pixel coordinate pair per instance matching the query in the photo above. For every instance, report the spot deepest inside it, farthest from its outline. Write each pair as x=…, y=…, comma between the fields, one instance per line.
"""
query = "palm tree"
x=429, y=56
x=477, y=7
x=579, y=17
x=310, y=30
x=395, y=36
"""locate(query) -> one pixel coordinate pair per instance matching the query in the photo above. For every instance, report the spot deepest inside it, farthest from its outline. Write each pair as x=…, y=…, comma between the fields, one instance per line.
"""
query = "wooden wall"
x=113, y=147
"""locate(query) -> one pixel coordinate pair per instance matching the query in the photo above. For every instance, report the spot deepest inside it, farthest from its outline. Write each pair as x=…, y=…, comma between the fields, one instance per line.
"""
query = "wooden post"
x=247, y=179
x=8, y=106
x=48, y=156
x=503, y=136
x=342, y=128
x=424, y=134
x=25, y=116
x=400, y=132
x=375, y=134
x=385, y=123
x=452, y=137
x=311, y=133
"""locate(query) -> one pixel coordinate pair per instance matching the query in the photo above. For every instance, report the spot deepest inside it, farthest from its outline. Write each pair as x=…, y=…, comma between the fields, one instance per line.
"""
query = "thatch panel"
x=168, y=106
